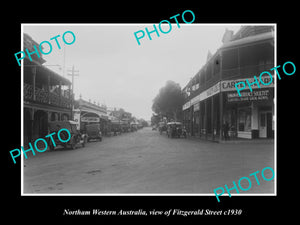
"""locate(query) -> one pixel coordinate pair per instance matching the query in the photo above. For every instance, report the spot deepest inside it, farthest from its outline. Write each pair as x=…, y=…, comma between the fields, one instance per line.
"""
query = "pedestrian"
x=225, y=130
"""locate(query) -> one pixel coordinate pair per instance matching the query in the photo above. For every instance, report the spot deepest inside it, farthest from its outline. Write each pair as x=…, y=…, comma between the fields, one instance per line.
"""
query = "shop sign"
x=197, y=107
x=206, y=94
x=195, y=99
x=210, y=91
x=229, y=85
x=76, y=114
x=186, y=105
x=256, y=95
x=203, y=95
x=90, y=119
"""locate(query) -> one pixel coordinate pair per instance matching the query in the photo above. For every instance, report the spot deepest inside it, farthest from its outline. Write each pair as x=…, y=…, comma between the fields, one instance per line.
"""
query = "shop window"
x=244, y=119
x=262, y=120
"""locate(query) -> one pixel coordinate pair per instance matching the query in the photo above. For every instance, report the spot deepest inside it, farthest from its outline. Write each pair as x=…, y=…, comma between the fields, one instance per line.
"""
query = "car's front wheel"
x=73, y=143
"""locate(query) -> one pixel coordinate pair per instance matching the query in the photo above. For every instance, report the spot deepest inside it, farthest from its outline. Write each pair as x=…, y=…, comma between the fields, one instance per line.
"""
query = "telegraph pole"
x=73, y=73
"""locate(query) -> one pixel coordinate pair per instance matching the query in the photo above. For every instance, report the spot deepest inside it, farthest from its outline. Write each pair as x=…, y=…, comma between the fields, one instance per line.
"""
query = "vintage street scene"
x=176, y=114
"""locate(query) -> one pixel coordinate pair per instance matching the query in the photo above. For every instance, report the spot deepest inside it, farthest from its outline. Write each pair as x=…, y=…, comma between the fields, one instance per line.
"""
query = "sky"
x=114, y=70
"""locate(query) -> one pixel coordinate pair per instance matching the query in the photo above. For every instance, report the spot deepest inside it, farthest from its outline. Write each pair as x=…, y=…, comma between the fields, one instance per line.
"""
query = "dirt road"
x=147, y=162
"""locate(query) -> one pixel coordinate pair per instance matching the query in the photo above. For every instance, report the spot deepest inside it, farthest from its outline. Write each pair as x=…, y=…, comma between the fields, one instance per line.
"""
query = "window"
x=230, y=59
x=244, y=119
x=263, y=120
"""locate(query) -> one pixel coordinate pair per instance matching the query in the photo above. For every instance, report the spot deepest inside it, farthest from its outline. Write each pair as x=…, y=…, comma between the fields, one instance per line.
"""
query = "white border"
x=151, y=194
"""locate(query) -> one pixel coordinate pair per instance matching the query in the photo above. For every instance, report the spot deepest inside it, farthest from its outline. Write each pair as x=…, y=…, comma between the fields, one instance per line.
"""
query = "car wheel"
x=73, y=143
x=73, y=146
x=51, y=146
x=84, y=141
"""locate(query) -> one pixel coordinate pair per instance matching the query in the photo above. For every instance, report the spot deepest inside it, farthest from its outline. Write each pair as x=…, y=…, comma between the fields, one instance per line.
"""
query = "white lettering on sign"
x=211, y=91
x=229, y=85
x=257, y=95
x=203, y=95
x=90, y=119
x=186, y=105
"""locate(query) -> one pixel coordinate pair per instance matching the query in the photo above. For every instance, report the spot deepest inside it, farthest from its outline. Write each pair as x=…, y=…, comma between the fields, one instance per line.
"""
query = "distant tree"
x=144, y=123
x=168, y=102
x=154, y=119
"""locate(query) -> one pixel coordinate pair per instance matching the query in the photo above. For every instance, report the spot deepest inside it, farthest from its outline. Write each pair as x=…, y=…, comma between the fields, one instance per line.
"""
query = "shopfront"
x=213, y=105
x=202, y=113
x=251, y=115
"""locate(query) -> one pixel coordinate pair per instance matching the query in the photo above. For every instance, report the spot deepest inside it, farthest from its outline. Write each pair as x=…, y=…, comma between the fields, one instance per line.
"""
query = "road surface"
x=146, y=162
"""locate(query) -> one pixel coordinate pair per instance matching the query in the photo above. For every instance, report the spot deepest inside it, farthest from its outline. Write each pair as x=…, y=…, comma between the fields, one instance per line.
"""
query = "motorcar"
x=133, y=127
x=93, y=132
x=116, y=128
x=76, y=136
x=162, y=126
x=176, y=129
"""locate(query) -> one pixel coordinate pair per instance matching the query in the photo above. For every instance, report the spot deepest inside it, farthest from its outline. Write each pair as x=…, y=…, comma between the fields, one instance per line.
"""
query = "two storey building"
x=211, y=99
x=46, y=95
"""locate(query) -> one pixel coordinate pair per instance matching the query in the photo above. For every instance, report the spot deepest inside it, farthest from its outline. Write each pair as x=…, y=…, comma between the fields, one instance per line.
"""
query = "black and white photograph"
x=124, y=114
x=143, y=109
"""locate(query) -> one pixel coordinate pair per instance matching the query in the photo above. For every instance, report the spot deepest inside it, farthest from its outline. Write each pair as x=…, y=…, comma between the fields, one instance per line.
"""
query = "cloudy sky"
x=116, y=71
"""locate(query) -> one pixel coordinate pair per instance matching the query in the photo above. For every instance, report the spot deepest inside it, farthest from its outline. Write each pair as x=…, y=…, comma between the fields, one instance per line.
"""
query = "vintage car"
x=176, y=129
x=76, y=136
x=162, y=126
x=93, y=132
x=133, y=127
x=116, y=128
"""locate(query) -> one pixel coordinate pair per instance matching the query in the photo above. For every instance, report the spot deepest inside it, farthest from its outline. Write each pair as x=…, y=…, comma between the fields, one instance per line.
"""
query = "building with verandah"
x=211, y=99
x=46, y=95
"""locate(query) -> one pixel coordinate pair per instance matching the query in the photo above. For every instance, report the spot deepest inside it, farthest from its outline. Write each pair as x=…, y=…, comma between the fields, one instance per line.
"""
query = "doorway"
x=265, y=125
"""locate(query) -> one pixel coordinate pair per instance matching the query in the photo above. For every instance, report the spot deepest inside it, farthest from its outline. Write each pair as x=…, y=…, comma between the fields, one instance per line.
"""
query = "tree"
x=168, y=102
x=154, y=119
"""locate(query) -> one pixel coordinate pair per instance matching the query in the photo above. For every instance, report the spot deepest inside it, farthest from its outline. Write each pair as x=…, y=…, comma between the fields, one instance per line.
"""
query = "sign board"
x=255, y=95
x=186, y=105
x=210, y=91
x=90, y=119
x=197, y=107
x=229, y=85
x=76, y=114
x=203, y=95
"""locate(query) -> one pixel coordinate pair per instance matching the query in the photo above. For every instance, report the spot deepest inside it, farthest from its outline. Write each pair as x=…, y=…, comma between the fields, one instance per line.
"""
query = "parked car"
x=162, y=126
x=93, y=132
x=116, y=128
x=133, y=127
x=76, y=136
x=176, y=129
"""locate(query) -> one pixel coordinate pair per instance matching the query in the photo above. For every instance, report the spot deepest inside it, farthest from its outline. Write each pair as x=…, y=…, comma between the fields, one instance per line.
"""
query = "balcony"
x=246, y=71
x=44, y=97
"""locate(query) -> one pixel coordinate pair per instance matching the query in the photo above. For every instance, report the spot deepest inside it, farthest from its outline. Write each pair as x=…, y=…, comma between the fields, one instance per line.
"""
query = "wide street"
x=147, y=162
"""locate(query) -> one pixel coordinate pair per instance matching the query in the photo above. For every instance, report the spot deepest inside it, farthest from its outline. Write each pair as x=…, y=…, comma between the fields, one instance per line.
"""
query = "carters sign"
x=229, y=85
